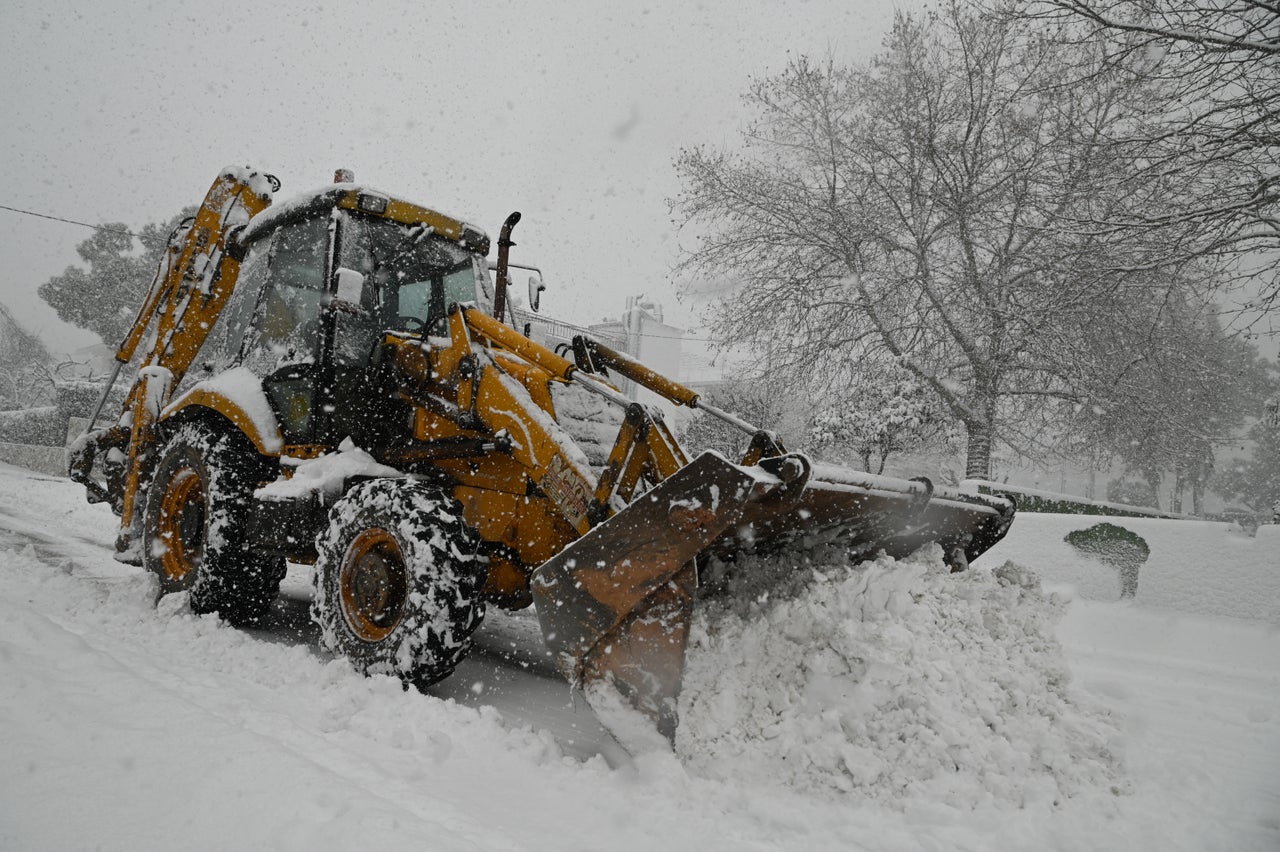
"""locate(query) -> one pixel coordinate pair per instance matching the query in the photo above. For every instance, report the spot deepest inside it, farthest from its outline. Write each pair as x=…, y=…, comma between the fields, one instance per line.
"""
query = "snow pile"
x=895, y=681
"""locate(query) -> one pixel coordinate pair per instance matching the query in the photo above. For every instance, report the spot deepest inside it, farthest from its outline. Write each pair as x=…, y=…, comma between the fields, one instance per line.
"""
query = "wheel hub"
x=373, y=585
x=182, y=524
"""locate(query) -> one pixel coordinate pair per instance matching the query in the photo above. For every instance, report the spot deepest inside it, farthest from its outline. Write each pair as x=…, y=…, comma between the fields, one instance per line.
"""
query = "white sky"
x=570, y=112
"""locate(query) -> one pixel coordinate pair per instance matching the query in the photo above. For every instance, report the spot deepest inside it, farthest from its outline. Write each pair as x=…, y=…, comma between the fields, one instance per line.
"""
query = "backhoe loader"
x=333, y=380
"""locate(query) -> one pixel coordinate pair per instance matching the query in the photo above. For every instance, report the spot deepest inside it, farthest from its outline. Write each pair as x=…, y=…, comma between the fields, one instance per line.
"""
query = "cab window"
x=286, y=328
x=227, y=338
x=411, y=276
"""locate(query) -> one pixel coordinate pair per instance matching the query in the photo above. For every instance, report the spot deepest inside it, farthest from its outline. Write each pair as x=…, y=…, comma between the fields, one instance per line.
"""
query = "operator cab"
x=323, y=279
x=408, y=279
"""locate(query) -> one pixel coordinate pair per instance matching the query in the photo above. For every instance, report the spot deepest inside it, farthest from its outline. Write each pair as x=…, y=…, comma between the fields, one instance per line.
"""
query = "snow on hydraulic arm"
x=361, y=405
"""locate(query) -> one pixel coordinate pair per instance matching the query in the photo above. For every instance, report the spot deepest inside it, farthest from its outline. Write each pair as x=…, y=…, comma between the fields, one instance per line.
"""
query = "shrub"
x=1116, y=546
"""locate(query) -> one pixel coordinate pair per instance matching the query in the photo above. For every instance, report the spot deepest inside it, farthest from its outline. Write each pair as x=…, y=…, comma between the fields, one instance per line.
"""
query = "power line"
x=68, y=221
x=132, y=234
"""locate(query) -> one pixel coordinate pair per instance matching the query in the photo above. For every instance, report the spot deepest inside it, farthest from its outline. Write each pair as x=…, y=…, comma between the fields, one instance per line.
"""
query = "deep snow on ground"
x=882, y=707
x=895, y=681
x=1202, y=567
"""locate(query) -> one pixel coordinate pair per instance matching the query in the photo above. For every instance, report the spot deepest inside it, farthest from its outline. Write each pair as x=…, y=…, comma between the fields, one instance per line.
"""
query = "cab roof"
x=370, y=202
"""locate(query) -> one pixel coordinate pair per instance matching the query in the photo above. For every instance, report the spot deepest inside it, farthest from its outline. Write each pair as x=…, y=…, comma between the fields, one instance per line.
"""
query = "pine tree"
x=105, y=297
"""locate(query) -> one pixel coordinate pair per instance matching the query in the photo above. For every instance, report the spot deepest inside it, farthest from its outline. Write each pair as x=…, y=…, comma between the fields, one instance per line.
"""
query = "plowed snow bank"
x=891, y=680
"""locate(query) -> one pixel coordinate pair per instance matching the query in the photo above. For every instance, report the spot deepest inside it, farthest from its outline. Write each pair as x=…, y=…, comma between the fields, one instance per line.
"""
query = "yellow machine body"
x=607, y=549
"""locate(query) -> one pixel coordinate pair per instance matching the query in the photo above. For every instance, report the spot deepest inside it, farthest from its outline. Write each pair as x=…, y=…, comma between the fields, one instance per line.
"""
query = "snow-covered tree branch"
x=1213, y=126
x=936, y=210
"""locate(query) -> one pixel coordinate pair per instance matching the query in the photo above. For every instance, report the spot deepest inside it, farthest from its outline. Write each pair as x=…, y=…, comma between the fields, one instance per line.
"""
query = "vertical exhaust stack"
x=504, y=254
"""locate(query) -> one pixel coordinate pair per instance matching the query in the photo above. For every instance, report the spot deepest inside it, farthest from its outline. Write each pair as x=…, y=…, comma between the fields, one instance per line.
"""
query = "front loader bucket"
x=615, y=605
x=870, y=513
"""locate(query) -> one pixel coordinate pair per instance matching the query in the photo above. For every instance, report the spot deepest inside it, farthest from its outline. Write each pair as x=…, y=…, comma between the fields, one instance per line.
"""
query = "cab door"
x=359, y=403
x=283, y=345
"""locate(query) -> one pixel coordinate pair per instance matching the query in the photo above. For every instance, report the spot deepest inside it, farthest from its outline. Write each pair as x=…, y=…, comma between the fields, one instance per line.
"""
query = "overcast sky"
x=571, y=113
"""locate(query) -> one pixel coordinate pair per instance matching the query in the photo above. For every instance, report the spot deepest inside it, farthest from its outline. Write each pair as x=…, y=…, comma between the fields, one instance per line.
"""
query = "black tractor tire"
x=195, y=524
x=397, y=580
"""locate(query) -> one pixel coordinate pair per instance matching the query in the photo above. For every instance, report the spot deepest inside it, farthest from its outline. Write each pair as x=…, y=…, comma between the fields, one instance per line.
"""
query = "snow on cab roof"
x=370, y=201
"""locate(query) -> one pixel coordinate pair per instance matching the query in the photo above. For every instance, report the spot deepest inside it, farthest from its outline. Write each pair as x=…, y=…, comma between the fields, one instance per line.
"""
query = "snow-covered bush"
x=879, y=419
x=44, y=426
x=1121, y=548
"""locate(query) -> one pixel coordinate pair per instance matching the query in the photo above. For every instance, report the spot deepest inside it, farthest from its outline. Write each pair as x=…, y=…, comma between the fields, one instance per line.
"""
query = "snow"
x=126, y=726
x=592, y=421
x=894, y=681
x=1200, y=567
x=282, y=209
x=157, y=381
x=244, y=390
x=258, y=182
x=325, y=475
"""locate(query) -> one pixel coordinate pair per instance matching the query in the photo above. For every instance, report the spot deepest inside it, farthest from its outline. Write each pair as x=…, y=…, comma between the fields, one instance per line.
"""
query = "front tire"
x=397, y=581
x=195, y=524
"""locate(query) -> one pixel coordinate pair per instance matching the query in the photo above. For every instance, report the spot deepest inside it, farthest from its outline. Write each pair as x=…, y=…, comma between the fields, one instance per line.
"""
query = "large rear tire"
x=195, y=525
x=397, y=581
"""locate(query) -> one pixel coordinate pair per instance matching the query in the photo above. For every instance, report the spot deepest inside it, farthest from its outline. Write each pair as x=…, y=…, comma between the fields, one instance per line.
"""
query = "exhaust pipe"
x=504, y=252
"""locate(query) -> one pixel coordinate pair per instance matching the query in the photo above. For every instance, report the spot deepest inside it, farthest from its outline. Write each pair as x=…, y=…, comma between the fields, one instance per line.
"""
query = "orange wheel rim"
x=181, y=526
x=373, y=584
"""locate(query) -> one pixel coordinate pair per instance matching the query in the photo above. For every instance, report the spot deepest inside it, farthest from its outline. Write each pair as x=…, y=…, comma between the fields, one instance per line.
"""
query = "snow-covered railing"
x=1034, y=500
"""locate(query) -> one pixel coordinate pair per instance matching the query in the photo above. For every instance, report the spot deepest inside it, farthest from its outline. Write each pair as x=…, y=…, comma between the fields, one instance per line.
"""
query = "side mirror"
x=350, y=288
x=535, y=292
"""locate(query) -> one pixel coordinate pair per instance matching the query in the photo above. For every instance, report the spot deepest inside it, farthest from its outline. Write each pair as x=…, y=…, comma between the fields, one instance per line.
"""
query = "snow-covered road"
x=124, y=726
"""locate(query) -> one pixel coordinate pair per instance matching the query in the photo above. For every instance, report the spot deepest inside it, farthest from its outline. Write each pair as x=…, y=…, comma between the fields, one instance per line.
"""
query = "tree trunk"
x=1153, y=481
x=978, y=455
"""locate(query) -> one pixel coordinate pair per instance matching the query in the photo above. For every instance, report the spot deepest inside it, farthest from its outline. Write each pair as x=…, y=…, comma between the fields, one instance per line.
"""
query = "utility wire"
x=68, y=221
x=690, y=336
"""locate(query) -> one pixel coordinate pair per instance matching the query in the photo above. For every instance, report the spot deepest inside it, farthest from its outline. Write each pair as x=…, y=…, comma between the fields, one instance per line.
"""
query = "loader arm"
x=615, y=605
x=479, y=383
x=196, y=275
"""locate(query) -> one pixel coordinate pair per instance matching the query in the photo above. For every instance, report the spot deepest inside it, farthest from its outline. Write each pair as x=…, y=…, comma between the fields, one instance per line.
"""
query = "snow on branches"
x=878, y=420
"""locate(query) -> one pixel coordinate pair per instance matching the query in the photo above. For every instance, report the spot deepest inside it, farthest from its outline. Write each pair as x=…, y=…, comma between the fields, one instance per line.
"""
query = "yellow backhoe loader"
x=331, y=380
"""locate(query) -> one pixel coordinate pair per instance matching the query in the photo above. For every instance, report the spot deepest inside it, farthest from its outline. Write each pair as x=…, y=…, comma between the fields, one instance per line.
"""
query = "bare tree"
x=1255, y=481
x=926, y=210
x=1214, y=127
x=1177, y=402
x=24, y=375
x=761, y=398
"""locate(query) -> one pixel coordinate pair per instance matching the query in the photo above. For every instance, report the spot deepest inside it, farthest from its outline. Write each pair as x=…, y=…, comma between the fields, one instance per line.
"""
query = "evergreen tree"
x=105, y=297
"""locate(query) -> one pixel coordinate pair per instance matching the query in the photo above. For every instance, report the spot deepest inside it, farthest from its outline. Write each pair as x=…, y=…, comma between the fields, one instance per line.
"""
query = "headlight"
x=370, y=203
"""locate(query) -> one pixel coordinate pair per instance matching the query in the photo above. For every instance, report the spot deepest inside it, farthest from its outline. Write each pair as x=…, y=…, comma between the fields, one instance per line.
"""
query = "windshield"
x=412, y=276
